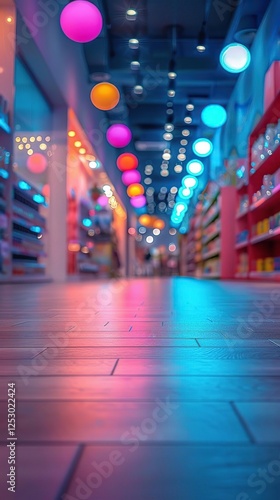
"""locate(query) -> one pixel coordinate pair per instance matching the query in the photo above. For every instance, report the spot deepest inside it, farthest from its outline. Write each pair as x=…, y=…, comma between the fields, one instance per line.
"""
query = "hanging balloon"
x=119, y=135
x=131, y=177
x=105, y=96
x=102, y=201
x=138, y=201
x=159, y=224
x=127, y=161
x=81, y=21
x=135, y=190
x=37, y=163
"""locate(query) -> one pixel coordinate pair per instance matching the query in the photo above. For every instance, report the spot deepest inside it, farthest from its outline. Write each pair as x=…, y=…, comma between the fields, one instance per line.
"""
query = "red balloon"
x=127, y=161
x=37, y=163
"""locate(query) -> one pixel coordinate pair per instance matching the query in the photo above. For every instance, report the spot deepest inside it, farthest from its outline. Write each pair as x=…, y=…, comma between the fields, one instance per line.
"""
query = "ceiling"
x=163, y=26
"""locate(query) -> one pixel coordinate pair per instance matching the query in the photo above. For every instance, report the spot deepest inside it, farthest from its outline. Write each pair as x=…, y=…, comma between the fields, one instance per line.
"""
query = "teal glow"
x=38, y=198
x=4, y=174
x=36, y=229
x=185, y=193
x=190, y=182
x=214, y=116
x=202, y=147
x=86, y=222
x=195, y=167
x=235, y=58
x=24, y=186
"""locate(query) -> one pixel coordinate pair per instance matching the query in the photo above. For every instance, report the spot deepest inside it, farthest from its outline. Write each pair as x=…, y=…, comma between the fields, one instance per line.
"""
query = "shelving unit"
x=258, y=256
x=5, y=179
x=29, y=230
x=214, y=258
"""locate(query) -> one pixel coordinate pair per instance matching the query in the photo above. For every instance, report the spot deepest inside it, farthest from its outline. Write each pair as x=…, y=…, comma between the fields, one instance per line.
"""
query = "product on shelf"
x=243, y=263
x=265, y=145
x=242, y=237
x=243, y=203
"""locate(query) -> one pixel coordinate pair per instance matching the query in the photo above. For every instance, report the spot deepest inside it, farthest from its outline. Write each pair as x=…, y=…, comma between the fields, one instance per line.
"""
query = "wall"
x=246, y=104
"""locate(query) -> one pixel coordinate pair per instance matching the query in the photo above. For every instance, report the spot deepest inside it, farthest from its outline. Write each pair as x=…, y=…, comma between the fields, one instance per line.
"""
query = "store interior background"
x=64, y=211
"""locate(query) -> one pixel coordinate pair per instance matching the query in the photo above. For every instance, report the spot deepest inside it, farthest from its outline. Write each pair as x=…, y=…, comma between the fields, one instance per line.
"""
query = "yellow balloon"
x=135, y=190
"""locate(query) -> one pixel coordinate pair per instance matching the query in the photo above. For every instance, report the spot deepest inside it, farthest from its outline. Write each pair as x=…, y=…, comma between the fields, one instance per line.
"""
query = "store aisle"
x=143, y=389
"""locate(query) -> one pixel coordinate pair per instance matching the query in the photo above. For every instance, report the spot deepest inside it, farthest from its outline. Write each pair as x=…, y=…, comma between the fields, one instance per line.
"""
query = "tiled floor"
x=148, y=389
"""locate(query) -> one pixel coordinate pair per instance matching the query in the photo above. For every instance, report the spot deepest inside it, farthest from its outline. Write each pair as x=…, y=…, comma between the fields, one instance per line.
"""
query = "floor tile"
x=262, y=419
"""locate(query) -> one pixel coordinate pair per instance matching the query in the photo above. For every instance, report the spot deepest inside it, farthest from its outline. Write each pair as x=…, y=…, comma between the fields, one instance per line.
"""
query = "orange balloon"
x=146, y=220
x=159, y=224
x=135, y=190
x=105, y=96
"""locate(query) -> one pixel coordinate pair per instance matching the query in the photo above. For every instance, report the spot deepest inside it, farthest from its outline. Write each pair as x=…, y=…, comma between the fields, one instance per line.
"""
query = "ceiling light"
x=138, y=89
x=174, y=190
x=190, y=182
x=133, y=43
x=178, y=169
x=185, y=193
x=131, y=14
x=166, y=156
x=214, y=116
x=190, y=106
x=169, y=127
x=195, y=167
x=171, y=93
x=188, y=119
x=77, y=144
x=182, y=151
x=149, y=239
x=71, y=133
x=202, y=147
x=156, y=232
x=171, y=88
x=135, y=65
x=184, y=142
x=82, y=151
x=201, y=47
x=185, y=132
x=169, y=111
x=150, y=191
x=148, y=180
x=168, y=136
x=164, y=173
x=9, y=19
x=172, y=231
x=181, y=157
x=235, y=58
x=148, y=169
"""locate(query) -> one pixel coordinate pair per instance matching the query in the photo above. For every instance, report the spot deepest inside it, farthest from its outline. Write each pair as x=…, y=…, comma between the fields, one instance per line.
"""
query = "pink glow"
x=138, y=201
x=81, y=21
x=37, y=163
x=102, y=201
x=131, y=177
x=119, y=135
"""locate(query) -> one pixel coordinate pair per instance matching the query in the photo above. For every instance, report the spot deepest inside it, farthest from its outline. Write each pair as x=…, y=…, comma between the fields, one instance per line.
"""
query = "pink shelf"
x=244, y=244
x=267, y=236
x=269, y=202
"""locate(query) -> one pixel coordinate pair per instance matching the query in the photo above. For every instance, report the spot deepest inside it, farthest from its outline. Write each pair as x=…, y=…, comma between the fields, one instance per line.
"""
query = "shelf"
x=242, y=214
x=211, y=275
x=242, y=187
x=267, y=166
x=270, y=116
x=267, y=236
x=210, y=255
x=212, y=218
x=241, y=275
x=268, y=202
x=265, y=275
x=209, y=205
x=211, y=237
x=243, y=244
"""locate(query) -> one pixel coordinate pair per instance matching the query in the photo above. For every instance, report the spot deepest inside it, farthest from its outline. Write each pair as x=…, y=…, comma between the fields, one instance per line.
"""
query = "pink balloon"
x=119, y=135
x=138, y=201
x=37, y=163
x=81, y=21
x=102, y=201
x=131, y=177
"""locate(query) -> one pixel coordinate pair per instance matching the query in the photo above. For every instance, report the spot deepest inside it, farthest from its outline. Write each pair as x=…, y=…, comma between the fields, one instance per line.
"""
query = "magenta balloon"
x=119, y=135
x=81, y=21
x=102, y=201
x=131, y=177
x=138, y=201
